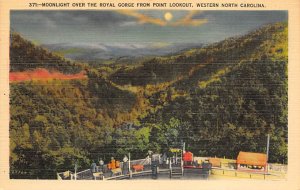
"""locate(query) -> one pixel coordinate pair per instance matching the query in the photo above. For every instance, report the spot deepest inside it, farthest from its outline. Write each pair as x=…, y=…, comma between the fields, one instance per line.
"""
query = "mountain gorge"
x=220, y=99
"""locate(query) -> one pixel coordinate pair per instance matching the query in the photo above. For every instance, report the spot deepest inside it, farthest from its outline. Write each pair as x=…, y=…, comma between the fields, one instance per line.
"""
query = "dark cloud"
x=100, y=18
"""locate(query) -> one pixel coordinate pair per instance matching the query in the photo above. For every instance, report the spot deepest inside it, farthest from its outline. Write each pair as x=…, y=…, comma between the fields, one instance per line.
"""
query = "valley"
x=219, y=99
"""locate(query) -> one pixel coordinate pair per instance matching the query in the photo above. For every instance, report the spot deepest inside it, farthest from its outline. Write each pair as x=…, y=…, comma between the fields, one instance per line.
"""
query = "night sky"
x=152, y=26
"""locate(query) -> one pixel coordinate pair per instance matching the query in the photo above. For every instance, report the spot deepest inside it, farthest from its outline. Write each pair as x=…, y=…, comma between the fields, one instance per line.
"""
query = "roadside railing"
x=232, y=173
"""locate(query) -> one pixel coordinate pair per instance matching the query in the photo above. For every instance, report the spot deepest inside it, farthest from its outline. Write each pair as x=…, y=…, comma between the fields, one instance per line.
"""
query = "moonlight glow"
x=168, y=16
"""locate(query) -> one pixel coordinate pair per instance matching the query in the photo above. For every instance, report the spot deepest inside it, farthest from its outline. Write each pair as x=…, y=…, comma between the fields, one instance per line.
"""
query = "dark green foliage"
x=108, y=96
x=63, y=122
x=24, y=55
x=151, y=72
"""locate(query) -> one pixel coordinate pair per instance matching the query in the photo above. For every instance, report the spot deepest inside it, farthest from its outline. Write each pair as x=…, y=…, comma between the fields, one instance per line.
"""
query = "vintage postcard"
x=131, y=93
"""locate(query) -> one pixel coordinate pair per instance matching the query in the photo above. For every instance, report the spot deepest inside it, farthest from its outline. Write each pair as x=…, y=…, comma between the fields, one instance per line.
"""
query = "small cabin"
x=251, y=161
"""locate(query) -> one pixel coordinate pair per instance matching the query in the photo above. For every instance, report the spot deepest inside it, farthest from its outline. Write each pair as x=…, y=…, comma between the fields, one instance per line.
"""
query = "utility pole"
x=129, y=170
x=268, y=145
x=129, y=160
x=75, y=170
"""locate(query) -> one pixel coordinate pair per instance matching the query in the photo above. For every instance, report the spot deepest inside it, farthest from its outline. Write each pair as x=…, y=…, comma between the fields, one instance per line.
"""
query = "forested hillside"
x=25, y=55
x=219, y=99
x=232, y=104
x=239, y=103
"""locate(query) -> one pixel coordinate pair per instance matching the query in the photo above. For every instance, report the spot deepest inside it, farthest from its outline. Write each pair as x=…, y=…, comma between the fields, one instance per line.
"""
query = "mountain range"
x=102, y=51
